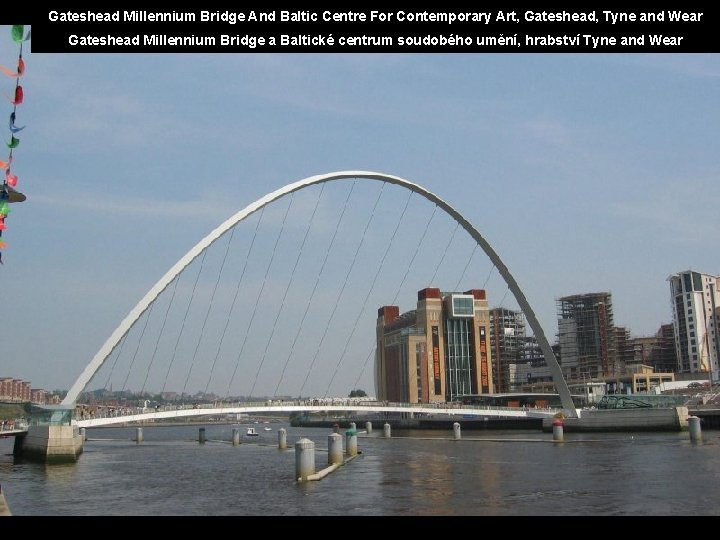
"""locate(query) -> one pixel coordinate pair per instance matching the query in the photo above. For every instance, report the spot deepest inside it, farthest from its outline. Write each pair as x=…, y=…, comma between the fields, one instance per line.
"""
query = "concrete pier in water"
x=52, y=437
x=335, y=449
x=628, y=420
x=351, y=448
x=694, y=429
x=304, y=459
x=50, y=444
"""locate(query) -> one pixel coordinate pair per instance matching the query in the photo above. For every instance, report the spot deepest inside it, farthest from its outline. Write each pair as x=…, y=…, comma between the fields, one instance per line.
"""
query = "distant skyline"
x=585, y=172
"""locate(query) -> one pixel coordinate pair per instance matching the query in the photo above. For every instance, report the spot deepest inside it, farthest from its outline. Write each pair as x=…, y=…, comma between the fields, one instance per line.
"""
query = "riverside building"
x=438, y=352
x=695, y=299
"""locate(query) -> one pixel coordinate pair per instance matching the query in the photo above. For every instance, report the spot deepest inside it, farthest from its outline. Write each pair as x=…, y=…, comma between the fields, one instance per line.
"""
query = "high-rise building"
x=695, y=300
x=664, y=357
x=437, y=352
x=507, y=341
x=587, y=336
x=625, y=349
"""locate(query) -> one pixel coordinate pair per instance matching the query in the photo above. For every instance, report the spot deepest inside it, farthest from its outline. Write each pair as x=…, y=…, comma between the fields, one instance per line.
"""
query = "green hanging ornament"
x=17, y=32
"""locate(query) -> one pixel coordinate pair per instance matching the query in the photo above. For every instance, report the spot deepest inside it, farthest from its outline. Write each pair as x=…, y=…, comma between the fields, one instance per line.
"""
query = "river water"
x=414, y=473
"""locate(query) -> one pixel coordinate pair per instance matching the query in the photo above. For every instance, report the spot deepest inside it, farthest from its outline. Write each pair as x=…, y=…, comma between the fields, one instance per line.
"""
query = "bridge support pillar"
x=236, y=437
x=386, y=431
x=304, y=459
x=335, y=449
x=282, y=439
x=139, y=435
x=368, y=427
x=83, y=434
x=456, y=431
x=52, y=437
x=50, y=444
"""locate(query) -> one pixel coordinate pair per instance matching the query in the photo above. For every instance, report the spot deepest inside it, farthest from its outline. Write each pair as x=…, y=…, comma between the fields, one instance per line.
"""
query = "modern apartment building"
x=695, y=298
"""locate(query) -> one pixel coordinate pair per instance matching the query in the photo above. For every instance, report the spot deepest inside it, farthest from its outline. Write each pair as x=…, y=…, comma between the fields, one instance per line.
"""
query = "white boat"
x=268, y=428
x=251, y=432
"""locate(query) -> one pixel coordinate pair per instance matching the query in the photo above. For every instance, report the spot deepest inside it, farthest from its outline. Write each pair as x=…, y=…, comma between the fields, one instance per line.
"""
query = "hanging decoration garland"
x=10, y=180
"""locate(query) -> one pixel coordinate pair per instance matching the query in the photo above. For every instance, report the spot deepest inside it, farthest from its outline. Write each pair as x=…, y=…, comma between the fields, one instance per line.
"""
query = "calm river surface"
x=171, y=474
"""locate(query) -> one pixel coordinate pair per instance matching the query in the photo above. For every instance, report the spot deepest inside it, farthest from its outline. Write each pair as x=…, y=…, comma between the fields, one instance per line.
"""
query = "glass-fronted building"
x=437, y=352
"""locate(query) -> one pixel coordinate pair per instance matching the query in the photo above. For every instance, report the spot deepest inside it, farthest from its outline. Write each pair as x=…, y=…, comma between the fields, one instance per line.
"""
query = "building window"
x=694, y=349
x=692, y=334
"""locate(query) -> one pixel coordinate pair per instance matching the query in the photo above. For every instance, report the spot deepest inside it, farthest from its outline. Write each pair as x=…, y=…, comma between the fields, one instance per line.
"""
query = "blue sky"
x=585, y=172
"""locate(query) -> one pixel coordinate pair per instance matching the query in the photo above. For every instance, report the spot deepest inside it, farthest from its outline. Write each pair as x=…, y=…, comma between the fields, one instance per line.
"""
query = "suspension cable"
x=162, y=328
x=317, y=281
x=262, y=288
x=287, y=288
x=417, y=250
x=339, y=296
x=210, y=304
x=467, y=265
x=489, y=274
x=232, y=305
x=134, y=356
x=367, y=296
x=370, y=354
x=117, y=357
x=442, y=259
x=182, y=327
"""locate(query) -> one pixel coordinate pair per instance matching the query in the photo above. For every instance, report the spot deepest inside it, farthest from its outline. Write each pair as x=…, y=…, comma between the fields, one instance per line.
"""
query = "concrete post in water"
x=353, y=426
x=694, y=428
x=456, y=431
x=138, y=435
x=558, y=428
x=201, y=436
x=368, y=427
x=351, y=442
x=386, y=431
x=335, y=449
x=282, y=439
x=236, y=437
x=336, y=428
x=83, y=434
x=304, y=459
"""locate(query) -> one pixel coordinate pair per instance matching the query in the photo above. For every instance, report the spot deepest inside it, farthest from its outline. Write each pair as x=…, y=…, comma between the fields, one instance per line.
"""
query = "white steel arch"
x=127, y=323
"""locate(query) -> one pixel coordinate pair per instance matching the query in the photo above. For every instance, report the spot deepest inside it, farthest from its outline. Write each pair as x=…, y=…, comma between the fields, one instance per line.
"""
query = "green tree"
x=358, y=393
